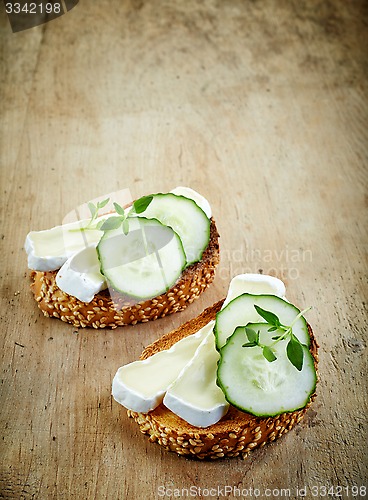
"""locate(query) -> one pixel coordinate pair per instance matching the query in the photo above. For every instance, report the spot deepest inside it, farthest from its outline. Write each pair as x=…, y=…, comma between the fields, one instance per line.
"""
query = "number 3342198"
x=33, y=8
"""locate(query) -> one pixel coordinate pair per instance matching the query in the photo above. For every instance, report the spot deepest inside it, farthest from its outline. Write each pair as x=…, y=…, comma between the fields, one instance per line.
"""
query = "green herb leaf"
x=125, y=226
x=119, y=209
x=250, y=344
x=92, y=209
x=294, y=351
x=277, y=337
x=99, y=225
x=251, y=334
x=269, y=316
x=103, y=203
x=268, y=354
x=140, y=205
x=272, y=329
x=112, y=223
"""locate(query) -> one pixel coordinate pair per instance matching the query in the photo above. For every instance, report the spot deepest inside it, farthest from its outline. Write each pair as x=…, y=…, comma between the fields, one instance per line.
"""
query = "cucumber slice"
x=144, y=263
x=186, y=218
x=257, y=386
x=241, y=311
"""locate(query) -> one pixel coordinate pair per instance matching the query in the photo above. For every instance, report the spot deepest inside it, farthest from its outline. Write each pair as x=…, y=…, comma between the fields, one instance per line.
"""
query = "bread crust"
x=113, y=311
x=235, y=435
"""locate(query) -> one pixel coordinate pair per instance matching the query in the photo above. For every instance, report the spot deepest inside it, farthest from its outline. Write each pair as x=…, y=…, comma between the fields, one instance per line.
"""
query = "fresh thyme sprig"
x=115, y=221
x=294, y=348
x=94, y=210
x=94, y=214
x=253, y=338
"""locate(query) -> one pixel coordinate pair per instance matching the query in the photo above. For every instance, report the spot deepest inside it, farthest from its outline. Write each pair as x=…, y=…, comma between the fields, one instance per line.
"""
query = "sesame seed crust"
x=114, y=310
x=235, y=435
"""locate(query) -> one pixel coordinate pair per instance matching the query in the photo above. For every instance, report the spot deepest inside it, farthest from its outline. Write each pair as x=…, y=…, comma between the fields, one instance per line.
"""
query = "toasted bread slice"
x=107, y=311
x=236, y=434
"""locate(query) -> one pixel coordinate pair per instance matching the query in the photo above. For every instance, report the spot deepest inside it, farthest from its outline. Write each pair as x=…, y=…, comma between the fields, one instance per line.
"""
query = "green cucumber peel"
x=294, y=349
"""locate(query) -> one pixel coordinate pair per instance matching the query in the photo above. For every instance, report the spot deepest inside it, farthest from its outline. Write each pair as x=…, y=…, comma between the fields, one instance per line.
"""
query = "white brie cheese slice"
x=140, y=386
x=48, y=250
x=194, y=395
x=80, y=275
x=193, y=195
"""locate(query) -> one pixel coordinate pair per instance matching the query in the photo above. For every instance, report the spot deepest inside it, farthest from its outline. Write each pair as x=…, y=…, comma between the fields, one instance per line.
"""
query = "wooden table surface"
x=260, y=106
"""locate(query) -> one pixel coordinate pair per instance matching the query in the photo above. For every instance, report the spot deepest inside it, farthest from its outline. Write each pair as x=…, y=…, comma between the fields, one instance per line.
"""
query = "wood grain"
x=262, y=107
